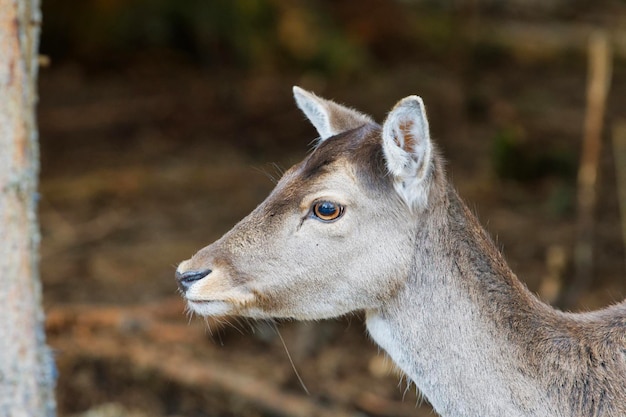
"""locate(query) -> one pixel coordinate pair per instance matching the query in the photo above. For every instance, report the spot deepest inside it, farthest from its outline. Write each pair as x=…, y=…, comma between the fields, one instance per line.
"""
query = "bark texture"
x=26, y=365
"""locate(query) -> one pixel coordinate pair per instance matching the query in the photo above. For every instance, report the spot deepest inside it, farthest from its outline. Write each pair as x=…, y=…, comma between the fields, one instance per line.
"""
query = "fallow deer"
x=368, y=222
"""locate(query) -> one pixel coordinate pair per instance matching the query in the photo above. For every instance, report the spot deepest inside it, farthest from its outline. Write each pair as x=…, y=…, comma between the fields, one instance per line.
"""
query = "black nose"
x=187, y=278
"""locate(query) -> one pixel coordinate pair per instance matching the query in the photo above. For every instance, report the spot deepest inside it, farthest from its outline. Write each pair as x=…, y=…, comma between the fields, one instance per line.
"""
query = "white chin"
x=210, y=308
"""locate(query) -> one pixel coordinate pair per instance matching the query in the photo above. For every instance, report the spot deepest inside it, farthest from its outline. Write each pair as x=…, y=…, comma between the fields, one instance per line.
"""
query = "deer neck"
x=451, y=328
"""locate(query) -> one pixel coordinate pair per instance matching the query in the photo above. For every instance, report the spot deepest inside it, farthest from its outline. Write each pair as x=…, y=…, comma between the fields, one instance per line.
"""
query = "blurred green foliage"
x=515, y=158
x=236, y=34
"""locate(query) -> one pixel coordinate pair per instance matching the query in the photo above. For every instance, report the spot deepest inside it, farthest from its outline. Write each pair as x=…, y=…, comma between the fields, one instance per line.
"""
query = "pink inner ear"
x=410, y=141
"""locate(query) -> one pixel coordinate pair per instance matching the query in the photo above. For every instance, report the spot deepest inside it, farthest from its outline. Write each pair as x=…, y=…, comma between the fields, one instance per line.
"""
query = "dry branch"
x=619, y=152
x=183, y=369
x=158, y=321
x=152, y=337
x=546, y=39
x=147, y=336
x=597, y=90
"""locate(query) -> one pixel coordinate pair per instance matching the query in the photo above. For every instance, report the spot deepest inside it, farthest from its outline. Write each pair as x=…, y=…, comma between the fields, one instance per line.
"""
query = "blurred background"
x=162, y=123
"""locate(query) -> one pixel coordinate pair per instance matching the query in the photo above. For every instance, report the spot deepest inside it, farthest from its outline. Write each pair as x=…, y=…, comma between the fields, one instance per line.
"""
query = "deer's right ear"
x=328, y=117
x=408, y=150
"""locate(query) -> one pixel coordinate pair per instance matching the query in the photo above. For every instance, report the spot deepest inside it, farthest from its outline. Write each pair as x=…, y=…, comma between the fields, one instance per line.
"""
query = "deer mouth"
x=210, y=307
x=219, y=303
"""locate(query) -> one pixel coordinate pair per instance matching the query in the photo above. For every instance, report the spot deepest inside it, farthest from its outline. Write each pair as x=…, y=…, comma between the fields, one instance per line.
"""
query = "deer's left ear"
x=408, y=150
x=328, y=117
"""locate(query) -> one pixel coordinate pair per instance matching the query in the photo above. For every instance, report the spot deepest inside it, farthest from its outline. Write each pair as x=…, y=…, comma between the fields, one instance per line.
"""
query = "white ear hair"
x=408, y=150
x=328, y=117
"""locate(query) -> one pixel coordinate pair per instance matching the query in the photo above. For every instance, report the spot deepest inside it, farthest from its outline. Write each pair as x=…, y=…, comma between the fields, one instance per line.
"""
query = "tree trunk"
x=26, y=365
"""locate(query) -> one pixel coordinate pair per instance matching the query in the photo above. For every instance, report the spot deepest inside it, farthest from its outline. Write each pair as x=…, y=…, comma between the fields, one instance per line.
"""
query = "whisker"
x=239, y=326
x=407, y=386
x=293, y=366
x=419, y=395
x=250, y=324
x=208, y=326
x=280, y=171
x=189, y=313
x=314, y=144
x=263, y=171
x=221, y=322
x=233, y=325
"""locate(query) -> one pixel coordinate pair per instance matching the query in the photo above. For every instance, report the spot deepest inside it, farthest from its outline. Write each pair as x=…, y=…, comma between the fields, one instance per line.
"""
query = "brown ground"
x=142, y=168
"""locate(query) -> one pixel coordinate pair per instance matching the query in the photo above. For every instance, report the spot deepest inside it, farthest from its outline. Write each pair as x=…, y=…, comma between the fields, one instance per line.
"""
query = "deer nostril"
x=187, y=278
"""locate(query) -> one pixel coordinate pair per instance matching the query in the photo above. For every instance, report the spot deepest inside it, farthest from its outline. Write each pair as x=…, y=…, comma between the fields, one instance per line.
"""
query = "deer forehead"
x=343, y=167
x=336, y=180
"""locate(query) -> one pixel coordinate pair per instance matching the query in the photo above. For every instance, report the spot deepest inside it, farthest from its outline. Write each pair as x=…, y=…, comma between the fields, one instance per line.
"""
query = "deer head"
x=337, y=234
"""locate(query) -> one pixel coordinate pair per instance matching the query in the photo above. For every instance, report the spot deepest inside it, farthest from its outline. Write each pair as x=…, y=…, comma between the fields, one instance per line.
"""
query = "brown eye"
x=327, y=211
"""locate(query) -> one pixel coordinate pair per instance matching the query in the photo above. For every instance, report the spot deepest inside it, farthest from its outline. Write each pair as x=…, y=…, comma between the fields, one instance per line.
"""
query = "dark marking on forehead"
x=361, y=147
x=333, y=149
